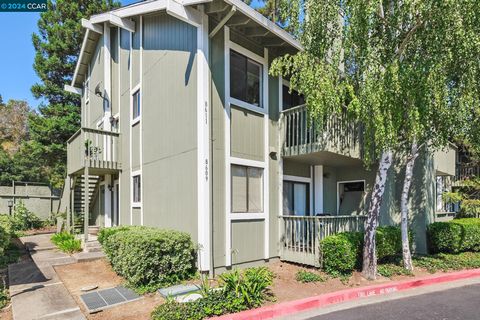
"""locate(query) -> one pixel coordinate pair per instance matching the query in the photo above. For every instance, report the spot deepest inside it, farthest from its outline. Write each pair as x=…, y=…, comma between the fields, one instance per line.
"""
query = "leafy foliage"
x=239, y=291
x=148, y=257
x=459, y=235
x=57, y=45
x=23, y=219
x=5, y=233
x=248, y=286
x=342, y=253
x=67, y=242
x=447, y=261
x=389, y=270
x=308, y=276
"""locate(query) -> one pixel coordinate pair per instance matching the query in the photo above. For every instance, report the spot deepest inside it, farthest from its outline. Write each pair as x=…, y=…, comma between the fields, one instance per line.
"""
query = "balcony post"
x=70, y=203
x=86, y=205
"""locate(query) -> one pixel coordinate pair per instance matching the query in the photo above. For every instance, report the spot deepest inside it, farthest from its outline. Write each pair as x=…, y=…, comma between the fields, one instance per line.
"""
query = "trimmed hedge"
x=458, y=235
x=148, y=257
x=342, y=253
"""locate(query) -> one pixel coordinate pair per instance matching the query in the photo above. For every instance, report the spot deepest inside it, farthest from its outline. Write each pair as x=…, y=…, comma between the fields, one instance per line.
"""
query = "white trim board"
x=203, y=143
x=229, y=160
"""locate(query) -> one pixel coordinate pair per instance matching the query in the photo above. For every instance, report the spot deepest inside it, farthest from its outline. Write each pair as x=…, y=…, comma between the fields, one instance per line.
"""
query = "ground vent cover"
x=106, y=298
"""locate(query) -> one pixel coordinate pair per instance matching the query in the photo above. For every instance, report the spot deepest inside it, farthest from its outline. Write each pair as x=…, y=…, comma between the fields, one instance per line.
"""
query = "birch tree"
x=406, y=70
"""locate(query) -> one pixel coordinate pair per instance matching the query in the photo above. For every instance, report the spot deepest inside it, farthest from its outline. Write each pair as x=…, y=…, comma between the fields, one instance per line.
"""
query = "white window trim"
x=260, y=61
x=133, y=174
x=309, y=181
x=137, y=88
x=228, y=159
x=348, y=181
x=254, y=215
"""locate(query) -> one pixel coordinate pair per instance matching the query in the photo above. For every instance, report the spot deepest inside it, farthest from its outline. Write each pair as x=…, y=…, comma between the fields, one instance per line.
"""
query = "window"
x=136, y=107
x=247, y=189
x=296, y=198
x=291, y=99
x=245, y=79
x=137, y=189
x=87, y=90
x=350, y=197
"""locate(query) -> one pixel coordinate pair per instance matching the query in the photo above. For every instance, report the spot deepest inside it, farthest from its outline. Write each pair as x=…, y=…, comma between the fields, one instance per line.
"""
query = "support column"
x=86, y=213
x=70, y=204
x=318, y=187
x=108, y=201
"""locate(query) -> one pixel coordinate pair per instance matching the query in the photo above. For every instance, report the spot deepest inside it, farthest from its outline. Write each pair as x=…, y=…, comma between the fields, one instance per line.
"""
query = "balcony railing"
x=301, y=235
x=303, y=135
x=467, y=171
x=97, y=149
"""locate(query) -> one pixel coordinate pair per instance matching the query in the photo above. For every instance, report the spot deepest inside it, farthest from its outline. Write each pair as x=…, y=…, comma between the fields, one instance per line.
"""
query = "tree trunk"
x=369, y=269
x=407, y=182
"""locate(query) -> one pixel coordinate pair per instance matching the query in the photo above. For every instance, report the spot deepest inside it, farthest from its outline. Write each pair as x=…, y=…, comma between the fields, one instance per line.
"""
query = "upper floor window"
x=245, y=79
x=291, y=98
x=136, y=106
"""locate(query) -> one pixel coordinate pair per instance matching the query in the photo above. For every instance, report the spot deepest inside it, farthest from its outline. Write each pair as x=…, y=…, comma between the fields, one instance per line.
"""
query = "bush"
x=23, y=219
x=459, y=235
x=149, y=258
x=5, y=232
x=66, y=242
x=239, y=291
x=389, y=270
x=342, y=253
x=307, y=277
x=447, y=261
x=104, y=233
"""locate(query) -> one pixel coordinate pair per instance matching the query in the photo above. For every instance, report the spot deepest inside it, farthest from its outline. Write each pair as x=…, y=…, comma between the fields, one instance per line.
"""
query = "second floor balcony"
x=99, y=150
x=301, y=135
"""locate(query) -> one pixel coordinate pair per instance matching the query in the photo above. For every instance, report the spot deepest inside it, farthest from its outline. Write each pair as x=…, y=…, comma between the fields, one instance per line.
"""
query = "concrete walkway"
x=35, y=288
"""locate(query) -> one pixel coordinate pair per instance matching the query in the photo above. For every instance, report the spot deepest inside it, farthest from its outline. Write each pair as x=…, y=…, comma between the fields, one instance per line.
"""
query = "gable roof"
x=181, y=9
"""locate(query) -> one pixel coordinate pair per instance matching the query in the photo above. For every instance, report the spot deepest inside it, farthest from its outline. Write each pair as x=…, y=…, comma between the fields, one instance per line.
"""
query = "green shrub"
x=448, y=261
x=104, y=233
x=389, y=270
x=459, y=235
x=239, y=291
x=148, y=257
x=66, y=242
x=342, y=253
x=307, y=276
x=248, y=286
x=5, y=232
x=23, y=219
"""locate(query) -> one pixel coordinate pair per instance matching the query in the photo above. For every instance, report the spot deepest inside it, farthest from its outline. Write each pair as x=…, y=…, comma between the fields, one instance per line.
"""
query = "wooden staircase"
x=79, y=197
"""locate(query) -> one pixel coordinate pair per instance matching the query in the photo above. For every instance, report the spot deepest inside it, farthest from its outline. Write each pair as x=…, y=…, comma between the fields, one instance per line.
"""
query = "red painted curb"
x=290, y=307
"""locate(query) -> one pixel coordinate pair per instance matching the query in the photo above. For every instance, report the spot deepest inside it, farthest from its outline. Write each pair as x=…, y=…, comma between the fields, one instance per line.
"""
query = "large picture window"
x=245, y=79
x=247, y=189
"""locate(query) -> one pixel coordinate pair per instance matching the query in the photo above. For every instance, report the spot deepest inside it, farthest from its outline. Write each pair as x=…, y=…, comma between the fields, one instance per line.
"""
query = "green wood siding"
x=248, y=238
x=136, y=54
x=247, y=134
x=169, y=119
x=217, y=65
x=125, y=127
x=114, y=69
x=95, y=106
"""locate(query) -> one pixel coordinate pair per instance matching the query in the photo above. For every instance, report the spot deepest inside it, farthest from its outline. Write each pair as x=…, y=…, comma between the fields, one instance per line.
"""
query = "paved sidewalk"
x=35, y=288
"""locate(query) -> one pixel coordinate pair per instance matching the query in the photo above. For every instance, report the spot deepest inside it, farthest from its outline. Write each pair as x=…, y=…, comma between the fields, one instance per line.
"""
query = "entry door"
x=296, y=198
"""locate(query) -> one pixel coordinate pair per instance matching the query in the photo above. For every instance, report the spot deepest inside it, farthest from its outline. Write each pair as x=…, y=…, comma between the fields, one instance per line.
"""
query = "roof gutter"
x=80, y=57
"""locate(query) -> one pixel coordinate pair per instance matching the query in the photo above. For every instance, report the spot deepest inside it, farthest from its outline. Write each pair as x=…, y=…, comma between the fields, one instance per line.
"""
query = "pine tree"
x=57, y=46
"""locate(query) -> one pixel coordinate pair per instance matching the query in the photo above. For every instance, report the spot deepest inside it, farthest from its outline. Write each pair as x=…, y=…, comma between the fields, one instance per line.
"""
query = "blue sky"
x=17, y=54
x=16, y=58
